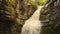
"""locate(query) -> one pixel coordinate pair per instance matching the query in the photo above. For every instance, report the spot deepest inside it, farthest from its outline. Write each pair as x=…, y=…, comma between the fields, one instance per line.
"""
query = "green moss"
x=10, y=7
x=12, y=2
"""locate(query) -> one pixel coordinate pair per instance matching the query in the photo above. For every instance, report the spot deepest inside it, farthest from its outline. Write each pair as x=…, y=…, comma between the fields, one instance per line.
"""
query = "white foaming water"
x=33, y=24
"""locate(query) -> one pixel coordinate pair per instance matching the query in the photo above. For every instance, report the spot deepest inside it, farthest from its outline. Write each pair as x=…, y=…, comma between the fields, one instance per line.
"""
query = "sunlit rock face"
x=33, y=24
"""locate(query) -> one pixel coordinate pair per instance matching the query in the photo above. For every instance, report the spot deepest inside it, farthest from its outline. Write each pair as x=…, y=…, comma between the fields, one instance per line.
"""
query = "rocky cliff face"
x=52, y=15
x=13, y=13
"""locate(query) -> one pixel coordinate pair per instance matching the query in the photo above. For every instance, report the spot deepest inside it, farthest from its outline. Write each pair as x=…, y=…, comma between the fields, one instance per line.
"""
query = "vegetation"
x=36, y=3
x=9, y=15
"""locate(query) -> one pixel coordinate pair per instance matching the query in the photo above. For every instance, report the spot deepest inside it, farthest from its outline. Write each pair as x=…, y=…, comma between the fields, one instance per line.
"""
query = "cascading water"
x=33, y=24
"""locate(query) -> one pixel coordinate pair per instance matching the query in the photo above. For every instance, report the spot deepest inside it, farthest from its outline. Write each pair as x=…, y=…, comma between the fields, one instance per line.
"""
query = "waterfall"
x=33, y=25
x=36, y=14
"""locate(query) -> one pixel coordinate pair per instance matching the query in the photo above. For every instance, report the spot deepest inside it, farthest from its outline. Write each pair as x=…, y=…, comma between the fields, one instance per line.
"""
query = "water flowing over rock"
x=33, y=24
x=14, y=13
